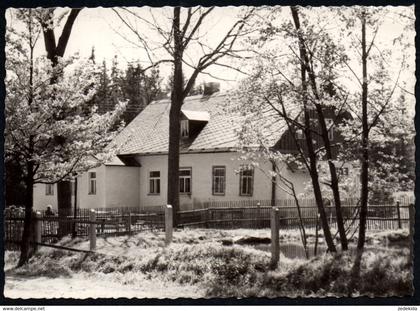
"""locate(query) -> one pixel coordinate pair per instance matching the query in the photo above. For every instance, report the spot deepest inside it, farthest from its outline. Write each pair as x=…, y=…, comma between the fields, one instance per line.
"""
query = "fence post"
x=129, y=223
x=275, y=245
x=168, y=224
x=398, y=214
x=37, y=229
x=208, y=218
x=316, y=234
x=259, y=215
x=411, y=212
x=92, y=229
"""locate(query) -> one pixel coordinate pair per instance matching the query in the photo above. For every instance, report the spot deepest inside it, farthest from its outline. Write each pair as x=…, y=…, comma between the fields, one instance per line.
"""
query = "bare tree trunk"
x=313, y=170
x=319, y=201
x=173, y=160
x=64, y=207
x=174, y=116
x=324, y=133
x=30, y=169
x=316, y=236
x=365, y=140
x=27, y=225
x=302, y=225
x=181, y=37
x=55, y=50
x=355, y=272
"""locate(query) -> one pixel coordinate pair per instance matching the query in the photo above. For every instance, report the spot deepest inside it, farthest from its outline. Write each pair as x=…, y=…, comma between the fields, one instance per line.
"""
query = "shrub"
x=234, y=271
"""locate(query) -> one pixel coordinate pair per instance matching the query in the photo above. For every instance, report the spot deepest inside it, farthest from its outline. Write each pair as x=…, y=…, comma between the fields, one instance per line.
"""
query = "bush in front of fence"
x=14, y=211
x=231, y=271
x=383, y=274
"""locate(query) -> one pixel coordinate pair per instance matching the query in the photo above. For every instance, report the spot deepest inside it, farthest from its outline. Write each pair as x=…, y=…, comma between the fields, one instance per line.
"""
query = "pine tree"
x=139, y=89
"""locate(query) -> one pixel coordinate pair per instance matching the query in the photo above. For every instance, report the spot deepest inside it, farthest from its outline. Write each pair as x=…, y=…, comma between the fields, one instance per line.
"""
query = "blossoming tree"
x=52, y=128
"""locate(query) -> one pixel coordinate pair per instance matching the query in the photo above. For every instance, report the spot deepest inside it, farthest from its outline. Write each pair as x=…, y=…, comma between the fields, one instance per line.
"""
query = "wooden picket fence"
x=230, y=215
x=107, y=222
x=380, y=217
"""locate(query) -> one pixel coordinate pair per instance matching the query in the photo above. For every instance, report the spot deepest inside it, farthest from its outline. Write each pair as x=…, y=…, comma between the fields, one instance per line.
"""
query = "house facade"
x=110, y=185
x=204, y=177
x=212, y=167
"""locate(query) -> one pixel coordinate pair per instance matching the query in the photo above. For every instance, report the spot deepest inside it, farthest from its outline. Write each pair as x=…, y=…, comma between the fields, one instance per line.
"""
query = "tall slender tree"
x=55, y=50
x=38, y=111
x=290, y=53
x=378, y=80
x=365, y=139
x=308, y=67
x=182, y=35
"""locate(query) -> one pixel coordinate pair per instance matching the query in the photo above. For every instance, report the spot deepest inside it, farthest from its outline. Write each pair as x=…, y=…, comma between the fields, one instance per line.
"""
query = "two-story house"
x=211, y=168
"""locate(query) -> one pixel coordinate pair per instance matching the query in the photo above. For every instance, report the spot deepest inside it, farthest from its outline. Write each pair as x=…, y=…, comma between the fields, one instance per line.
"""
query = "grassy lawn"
x=197, y=264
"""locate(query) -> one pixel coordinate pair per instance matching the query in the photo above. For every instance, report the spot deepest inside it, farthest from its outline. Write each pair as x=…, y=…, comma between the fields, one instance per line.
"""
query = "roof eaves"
x=194, y=115
x=202, y=150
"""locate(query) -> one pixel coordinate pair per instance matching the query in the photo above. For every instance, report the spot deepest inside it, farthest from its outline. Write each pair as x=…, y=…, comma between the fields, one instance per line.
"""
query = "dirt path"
x=81, y=287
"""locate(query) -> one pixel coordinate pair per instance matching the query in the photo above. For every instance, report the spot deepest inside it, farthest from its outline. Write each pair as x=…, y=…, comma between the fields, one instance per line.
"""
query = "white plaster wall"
x=299, y=178
x=201, y=190
x=129, y=186
x=41, y=200
x=89, y=201
x=152, y=163
x=122, y=186
x=115, y=186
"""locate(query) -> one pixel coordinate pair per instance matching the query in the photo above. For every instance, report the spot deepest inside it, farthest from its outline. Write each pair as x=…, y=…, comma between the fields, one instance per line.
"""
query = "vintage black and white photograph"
x=209, y=152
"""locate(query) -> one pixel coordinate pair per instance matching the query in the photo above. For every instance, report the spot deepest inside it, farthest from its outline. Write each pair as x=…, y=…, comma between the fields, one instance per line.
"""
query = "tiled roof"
x=149, y=131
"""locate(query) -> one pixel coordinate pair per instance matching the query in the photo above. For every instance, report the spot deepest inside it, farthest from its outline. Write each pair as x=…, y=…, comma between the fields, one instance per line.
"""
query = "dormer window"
x=192, y=122
x=184, y=129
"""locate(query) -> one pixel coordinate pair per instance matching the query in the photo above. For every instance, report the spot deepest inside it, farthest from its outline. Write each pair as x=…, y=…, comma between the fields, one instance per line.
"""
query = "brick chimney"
x=211, y=88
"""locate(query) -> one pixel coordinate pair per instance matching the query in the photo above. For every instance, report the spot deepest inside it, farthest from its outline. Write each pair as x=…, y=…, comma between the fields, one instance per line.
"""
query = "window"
x=185, y=180
x=246, y=180
x=184, y=128
x=154, y=182
x=344, y=171
x=299, y=134
x=219, y=180
x=330, y=128
x=92, y=183
x=49, y=189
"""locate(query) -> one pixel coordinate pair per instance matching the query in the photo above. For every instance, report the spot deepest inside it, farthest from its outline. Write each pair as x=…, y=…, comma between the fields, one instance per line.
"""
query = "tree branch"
x=187, y=39
x=376, y=118
x=65, y=34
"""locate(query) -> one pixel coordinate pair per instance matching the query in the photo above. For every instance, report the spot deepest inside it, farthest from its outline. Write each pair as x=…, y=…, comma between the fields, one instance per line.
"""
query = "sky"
x=102, y=29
